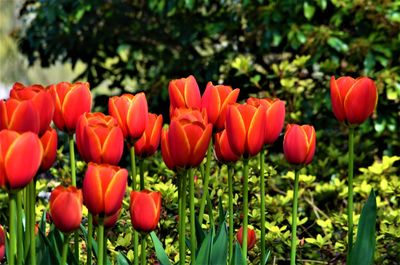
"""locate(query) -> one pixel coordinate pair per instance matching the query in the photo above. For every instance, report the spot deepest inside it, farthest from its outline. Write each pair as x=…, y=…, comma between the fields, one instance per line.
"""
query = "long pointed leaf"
x=219, y=254
x=160, y=252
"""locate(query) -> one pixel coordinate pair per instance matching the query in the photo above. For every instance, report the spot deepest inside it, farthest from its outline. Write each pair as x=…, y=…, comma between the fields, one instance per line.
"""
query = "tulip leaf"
x=364, y=248
x=204, y=254
x=266, y=257
x=200, y=235
x=237, y=255
x=121, y=259
x=220, y=247
x=160, y=252
x=48, y=251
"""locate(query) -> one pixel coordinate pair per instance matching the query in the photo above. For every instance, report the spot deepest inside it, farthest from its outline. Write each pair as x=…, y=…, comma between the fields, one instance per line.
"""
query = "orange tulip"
x=186, y=141
x=245, y=128
x=49, y=142
x=147, y=145
x=2, y=243
x=130, y=111
x=223, y=150
x=251, y=237
x=353, y=100
x=145, y=210
x=184, y=93
x=41, y=99
x=299, y=144
x=216, y=100
x=275, y=117
x=104, y=188
x=99, y=138
x=66, y=208
x=70, y=101
x=20, y=158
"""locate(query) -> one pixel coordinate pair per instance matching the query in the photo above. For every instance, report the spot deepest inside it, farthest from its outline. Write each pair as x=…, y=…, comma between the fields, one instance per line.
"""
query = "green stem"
x=350, y=195
x=89, y=239
x=13, y=228
x=245, y=208
x=65, y=250
x=182, y=217
x=32, y=201
x=141, y=173
x=262, y=203
x=143, y=252
x=205, y=183
x=192, y=220
x=294, y=218
x=230, y=209
x=135, y=233
x=20, y=241
x=100, y=236
x=72, y=158
x=27, y=207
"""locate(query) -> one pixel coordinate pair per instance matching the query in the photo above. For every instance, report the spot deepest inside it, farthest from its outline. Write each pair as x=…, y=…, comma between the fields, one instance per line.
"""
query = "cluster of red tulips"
x=199, y=124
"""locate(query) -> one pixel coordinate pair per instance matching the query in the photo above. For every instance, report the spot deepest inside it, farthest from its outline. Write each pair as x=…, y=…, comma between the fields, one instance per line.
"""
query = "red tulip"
x=245, y=127
x=109, y=220
x=186, y=141
x=49, y=142
x=147, y=145
x=20, y=158
x=216, y=100
x=70, y=101
x=130, y=111
x=19, y=115
x=2, y=243
x=41, y=99
x=223, y=150
x=145, y=210
x=66, y=208
x=251, y=237
x=99, y=138
x=275, y=112
x=353, y=100
x=299, y=144
x=184, y=93
x=104, y=188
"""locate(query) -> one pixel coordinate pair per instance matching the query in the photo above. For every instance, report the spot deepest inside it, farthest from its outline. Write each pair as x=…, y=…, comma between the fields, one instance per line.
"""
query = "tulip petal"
x=201, y=147
x=137, y=116
x=311, y=140
x=145, y=212
x=211, y=101
x=66, y=212
x=256, y=132
x=178, y=143
x=192, y=93
x=24, y=116
x=165, y=152
x=235, y=129
x=115, y=192
x=76, y=102
x=274, y=121
x=176, y=97
x=295, y=145
x=118, y=108
x=92, y=190
x=230, y=99
x=113, y=147
x=337, y=102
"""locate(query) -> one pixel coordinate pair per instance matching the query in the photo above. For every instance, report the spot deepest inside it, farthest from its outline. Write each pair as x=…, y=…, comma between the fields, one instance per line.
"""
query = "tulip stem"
x=143, y=252
x=294, y=218
x=72, y=159
x=32, y=187
x=20, y=246
x=27, y=207
x=182, y=217
x=230, y=202
x=89, y=239
x=141, y=173
x=262, y=203
x=135, y=233
x=13, y=228
x=350, y=194
x=100, y=236
x=205, y=183
x=65, y=249
x=245, y=208
x=192, y=220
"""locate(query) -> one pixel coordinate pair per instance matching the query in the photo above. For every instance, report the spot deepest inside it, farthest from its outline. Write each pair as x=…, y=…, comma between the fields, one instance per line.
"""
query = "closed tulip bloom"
x=145, y=210
x=20, y=158
x=184, y=93
x=147, y=145
x=41, y=99
x=49, y=142
x=245, y=128
x=299, y=144
x=70, y=101
x=2, y=243
x=66, y=208
x=186, y=141
x=216, y=100
x=131, y=112
x=99, y=138
x=104, y=188
x=223, y=150
x=251, y=237
x=353, y=100
x=275, y=112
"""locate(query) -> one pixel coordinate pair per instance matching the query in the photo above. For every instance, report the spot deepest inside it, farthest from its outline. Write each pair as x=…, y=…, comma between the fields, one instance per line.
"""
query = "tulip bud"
x=20, y=158
x=66, y=208
x=145, y=210
x=2, y=243
x=147, y=145
x=353, y=100
x=299, y=144
x=99, y=138
x=251, y=237
x=184, y=93
x=19, y=115
x=49, y=142
x=223, y=150
x=70, y=101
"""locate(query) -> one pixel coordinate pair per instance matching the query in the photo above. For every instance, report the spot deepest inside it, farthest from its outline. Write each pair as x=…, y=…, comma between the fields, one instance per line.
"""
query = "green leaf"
x=121, y=259
x=364, y=248
x=309, y=10
x=237, y=255
x=160, y=252
x=220, y=248
x=338, y=44
x=266, y=257
x=200, y=235
x=204, y=254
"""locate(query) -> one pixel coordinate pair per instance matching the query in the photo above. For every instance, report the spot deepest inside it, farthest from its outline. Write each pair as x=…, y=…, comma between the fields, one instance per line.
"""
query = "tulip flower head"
x=299, y=144
x=184, y=93
x=251, y=237
x=216, y=100
x=2, y=243
x=20, y=158
x=49, y=142
x=223, y=150
x=145, y=210
x=66, y=208
x=104, y=188
x=99, y=138
x=148, y=144
x=70, y=101
x=353, y=100
x=275, y=117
